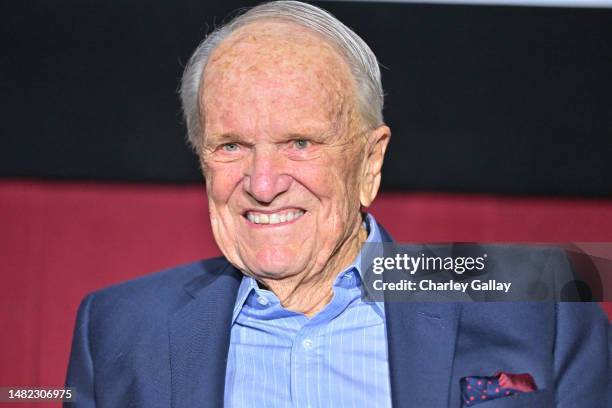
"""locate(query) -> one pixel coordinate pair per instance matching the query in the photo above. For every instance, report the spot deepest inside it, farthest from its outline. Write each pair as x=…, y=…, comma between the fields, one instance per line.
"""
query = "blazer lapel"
x=421, y=347
x=199, y=340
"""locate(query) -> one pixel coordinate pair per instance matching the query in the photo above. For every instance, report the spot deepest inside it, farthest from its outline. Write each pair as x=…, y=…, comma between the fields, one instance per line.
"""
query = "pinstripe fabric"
x=279, y=358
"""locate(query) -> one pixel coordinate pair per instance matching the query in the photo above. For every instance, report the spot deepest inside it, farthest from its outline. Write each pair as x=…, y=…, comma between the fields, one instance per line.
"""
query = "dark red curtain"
x=60, y=241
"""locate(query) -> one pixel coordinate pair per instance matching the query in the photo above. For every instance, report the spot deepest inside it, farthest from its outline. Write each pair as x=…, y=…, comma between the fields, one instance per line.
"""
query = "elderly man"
x=283, y=107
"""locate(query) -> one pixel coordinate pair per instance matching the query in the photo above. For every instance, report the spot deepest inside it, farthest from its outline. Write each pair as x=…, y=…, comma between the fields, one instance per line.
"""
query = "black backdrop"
x=480, y=98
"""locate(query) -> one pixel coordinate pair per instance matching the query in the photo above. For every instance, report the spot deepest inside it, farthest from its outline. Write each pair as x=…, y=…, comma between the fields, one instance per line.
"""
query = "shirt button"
x=307, y=343
x=262, y=300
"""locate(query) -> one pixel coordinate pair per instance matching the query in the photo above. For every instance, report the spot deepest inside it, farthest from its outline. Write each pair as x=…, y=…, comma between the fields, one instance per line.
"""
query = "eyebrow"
x=232, y=136
x=223, y=137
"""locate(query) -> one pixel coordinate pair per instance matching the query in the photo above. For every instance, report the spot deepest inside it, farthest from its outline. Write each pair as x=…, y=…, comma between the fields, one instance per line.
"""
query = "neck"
x=309, y=293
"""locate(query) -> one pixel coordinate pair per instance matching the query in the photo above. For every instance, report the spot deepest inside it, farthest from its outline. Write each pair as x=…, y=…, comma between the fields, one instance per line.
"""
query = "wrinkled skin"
x=281, y=131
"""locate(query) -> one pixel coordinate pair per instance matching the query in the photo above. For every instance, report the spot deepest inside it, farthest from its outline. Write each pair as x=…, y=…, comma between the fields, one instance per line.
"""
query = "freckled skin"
x=266, y=86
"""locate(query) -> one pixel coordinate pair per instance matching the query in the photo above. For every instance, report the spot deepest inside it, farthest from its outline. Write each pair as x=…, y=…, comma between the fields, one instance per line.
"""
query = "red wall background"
x=60, y=241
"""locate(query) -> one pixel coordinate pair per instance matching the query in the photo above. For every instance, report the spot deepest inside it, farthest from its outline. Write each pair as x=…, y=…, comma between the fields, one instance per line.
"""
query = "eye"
x=230, y=147
x=301, y=144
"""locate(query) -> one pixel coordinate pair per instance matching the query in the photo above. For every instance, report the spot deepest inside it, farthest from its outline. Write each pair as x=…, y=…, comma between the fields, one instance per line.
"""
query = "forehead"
x=273, y=65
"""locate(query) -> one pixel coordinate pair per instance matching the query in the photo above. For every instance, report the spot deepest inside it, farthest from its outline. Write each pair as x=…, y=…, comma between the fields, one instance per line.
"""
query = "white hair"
x=359, y=57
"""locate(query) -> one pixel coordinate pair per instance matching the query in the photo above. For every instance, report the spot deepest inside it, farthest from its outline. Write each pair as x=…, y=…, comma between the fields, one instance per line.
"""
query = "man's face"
x=281, y=153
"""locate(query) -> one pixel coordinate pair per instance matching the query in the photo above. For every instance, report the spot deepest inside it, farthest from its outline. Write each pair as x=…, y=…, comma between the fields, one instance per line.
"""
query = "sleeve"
x=80, y=375
x=581, y=360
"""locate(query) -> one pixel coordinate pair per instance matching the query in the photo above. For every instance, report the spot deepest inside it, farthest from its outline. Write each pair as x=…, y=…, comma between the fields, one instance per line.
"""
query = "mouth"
x=278, y=217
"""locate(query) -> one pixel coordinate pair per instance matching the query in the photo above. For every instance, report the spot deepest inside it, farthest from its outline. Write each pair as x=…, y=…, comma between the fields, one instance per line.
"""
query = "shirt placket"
x=306, y=352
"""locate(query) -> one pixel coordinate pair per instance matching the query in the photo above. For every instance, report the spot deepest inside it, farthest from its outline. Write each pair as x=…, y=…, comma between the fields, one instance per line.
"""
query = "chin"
x=267, y=273
x=275, y=255
x=277, y=269
x=275, y=263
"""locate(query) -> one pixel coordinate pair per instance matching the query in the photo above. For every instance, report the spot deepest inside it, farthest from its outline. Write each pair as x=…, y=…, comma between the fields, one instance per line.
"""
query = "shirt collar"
x=249, y=284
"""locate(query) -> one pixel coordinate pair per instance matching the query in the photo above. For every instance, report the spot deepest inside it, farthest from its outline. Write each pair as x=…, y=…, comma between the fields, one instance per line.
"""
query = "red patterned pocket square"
x=475, y=390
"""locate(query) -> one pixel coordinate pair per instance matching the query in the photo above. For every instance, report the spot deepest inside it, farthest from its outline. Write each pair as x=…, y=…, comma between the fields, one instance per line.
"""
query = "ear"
x=375, y=148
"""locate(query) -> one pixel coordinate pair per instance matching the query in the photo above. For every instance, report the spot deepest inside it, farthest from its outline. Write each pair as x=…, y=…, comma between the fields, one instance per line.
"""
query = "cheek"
x=341, y=173
x=221, y=181
x=333, y=183
x=346, y=201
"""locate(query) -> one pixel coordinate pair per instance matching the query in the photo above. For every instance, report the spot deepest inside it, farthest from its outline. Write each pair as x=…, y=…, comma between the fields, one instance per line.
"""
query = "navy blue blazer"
x=162, y=341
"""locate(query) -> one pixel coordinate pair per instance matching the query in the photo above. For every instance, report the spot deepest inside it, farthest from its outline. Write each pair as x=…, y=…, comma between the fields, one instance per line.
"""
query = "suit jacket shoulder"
x=121, y=346
x=157, y=293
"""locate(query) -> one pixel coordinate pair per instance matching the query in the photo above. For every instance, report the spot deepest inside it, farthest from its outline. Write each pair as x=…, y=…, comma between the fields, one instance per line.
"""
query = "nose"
x=265, y=177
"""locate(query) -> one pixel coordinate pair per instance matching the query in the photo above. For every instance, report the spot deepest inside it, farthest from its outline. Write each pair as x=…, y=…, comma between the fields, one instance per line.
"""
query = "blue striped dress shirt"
x=337, y=358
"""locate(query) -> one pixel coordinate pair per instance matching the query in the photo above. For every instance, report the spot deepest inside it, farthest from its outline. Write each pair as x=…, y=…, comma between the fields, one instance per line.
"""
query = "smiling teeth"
x=274, y=218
